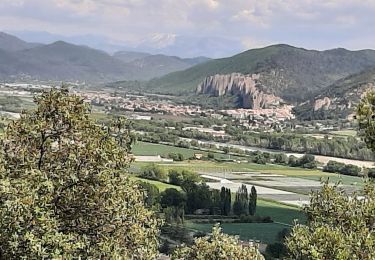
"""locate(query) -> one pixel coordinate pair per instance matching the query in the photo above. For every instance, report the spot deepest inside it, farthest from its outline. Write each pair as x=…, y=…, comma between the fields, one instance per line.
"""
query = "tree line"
x=349, y=147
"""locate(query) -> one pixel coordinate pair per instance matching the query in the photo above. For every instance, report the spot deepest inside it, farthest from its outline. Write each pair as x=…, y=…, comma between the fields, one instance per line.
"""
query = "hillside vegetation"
x=289, y=72
x=338, y=100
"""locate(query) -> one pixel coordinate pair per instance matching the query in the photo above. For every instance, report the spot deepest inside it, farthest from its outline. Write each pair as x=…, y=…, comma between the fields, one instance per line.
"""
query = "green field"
x=265, y=232
x=283, y=215
x=280, y=212
x=210, y=166
x=220, y=167
x=337, y=178
x=161, y=185
x=142, y=148
x=344, y=133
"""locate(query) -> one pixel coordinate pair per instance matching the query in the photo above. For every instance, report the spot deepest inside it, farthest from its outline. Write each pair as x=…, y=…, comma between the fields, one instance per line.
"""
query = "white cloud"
x=314, y=23
x=252, y=43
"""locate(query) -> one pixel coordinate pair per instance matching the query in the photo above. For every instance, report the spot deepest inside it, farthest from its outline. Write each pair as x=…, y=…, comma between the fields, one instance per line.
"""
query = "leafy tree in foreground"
x=218, y=246
x=366, y=119
x=63, y=190
x=339, y=226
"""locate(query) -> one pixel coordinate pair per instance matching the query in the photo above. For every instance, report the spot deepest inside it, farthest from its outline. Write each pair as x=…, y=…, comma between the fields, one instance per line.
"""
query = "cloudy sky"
x=227, y=25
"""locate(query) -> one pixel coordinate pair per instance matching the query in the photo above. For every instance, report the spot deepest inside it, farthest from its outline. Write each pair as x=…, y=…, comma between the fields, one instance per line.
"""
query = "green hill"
x=289, y=72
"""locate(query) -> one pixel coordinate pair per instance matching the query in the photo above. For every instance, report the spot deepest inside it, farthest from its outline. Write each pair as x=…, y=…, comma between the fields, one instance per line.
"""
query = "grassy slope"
x=161, y=185
x=142, y=148
x=265, y=232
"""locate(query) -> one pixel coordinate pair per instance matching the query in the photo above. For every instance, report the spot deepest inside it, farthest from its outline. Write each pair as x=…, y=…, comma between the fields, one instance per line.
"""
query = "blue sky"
x=162, y=24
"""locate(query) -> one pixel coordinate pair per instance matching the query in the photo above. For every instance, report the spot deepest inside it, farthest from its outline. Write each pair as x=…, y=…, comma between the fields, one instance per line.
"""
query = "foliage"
x=278, y=249
x=153, y=172
x=215, y=207
x=307, y=161
x=172, y=198
x=63, y=190
x=350, y=169
x=211, y=156
x=177, y=177
x=371, y=172
x=215, y=247
x=226, y=201
x=346, y=169
x=339, y=226
x=348, y=147
x=178, y=157
x=333, y=166
x=198, y=196
x=241, y=202
x=281, y=158
x=253, y=219
x=366, y=119
x=152, y=196
x=253, y=201
x=174, y=215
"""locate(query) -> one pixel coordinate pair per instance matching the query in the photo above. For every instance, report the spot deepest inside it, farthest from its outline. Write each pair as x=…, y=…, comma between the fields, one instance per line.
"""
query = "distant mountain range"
x=11, y=43
x=157, y=65
x=158, y=43
x=64, y=61
x=321, y=84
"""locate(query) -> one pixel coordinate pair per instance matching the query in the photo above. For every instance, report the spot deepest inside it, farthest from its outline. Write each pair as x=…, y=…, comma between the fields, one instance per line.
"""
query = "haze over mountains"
x=167, y=44
x=68, y=62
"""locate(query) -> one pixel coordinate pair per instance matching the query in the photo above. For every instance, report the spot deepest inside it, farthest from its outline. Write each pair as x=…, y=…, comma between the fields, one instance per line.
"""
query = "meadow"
x=265, y=232
x=282, y=215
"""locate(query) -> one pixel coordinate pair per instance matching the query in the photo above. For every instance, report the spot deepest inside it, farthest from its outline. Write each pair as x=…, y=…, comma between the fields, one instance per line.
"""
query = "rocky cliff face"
x=347, y=102
x=250, y=92
x=338, y=100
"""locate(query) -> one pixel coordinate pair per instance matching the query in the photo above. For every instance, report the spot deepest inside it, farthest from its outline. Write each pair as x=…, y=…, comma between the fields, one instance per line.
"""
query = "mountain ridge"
x=63, y=61
x=12, y=43
x=289, y=72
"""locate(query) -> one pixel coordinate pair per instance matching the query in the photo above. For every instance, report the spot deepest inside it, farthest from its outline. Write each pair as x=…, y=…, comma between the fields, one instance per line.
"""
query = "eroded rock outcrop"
x=322, y=103
x=247, y=88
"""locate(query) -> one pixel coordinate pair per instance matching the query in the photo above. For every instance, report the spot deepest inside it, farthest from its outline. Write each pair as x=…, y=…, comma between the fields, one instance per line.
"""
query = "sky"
x=192, y=27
